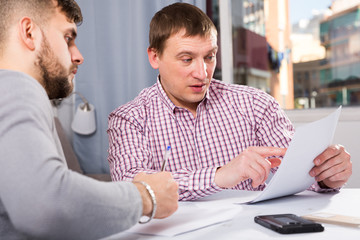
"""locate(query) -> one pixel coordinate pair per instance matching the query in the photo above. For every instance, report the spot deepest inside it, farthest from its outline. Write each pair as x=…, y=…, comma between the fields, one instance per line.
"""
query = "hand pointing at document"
x=251, y=163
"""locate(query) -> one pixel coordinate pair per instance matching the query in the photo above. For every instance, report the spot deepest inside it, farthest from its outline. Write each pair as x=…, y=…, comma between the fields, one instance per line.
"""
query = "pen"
x=166, y=157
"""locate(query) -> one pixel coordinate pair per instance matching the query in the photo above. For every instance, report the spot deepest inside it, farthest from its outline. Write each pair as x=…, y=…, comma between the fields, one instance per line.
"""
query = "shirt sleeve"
x=273, y=127
x=130, y=154
x=317, y=188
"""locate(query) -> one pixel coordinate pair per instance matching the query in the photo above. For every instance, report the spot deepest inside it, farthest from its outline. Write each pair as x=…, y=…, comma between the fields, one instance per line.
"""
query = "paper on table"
x=190, y=216
x=229, y=196
x=308, y=142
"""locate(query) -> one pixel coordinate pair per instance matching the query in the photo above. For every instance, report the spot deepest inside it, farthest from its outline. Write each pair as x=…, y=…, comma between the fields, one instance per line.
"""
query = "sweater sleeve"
x=41, y=196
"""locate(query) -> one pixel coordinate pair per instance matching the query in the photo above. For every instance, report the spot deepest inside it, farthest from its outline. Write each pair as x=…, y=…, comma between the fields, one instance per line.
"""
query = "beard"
x=56, y=78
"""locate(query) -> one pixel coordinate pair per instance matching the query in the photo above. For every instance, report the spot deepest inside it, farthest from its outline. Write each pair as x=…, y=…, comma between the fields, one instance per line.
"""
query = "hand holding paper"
x=333, y=167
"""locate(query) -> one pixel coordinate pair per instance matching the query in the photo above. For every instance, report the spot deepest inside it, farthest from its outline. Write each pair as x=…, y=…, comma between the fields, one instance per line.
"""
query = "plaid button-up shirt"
x=228, y=120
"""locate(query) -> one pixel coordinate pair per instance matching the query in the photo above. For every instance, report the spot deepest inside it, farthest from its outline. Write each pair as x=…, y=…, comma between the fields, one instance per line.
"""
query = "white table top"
x=242, y=226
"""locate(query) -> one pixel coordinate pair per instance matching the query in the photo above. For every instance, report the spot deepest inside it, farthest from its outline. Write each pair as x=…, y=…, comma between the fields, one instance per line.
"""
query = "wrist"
x=323, y=185
x=219, y=179
x=148, y=200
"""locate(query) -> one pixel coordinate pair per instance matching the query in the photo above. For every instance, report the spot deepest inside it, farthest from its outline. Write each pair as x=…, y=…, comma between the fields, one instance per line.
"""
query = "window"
x=257, y=51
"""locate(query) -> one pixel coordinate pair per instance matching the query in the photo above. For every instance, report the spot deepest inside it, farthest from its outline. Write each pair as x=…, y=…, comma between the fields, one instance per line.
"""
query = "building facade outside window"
x=319, y=66
x=260, y=45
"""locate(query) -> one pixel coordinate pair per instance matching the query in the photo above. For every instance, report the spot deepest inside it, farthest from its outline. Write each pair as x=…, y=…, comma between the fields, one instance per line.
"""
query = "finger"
x=268, y=151
x=329, y=171
x=256, y=177
x=275, y=162
x=261, y=170
x=328, y=153
x=341, y=176
x=342, y=159
x=338, y=180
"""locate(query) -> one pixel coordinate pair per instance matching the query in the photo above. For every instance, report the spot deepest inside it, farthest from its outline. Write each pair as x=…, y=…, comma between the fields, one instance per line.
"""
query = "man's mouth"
x=197, y=87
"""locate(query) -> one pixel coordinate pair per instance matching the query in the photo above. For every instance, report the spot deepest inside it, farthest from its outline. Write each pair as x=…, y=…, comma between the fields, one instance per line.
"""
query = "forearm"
x=44, y=206
x=192, y=184
x=128, y=153
x=101, y=208
x=126, y=167
x=42, y=197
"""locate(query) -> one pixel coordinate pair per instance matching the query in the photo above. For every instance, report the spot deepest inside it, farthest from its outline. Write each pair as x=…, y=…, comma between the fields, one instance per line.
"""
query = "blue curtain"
x=113, y=40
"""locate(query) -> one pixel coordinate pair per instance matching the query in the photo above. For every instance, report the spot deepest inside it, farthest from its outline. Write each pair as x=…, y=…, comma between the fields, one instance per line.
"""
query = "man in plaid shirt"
x=221, y=135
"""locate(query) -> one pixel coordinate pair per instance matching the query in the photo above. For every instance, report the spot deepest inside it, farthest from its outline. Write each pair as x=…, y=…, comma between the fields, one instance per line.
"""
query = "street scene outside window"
x=306, y=54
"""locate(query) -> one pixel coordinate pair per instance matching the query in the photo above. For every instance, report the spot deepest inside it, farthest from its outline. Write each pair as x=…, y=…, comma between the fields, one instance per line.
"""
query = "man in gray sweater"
x=39, y=196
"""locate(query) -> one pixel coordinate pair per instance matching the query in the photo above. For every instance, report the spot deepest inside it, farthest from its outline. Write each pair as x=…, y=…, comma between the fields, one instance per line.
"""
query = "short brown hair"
x=173, y=18
x=39, y=10
x=71, y=10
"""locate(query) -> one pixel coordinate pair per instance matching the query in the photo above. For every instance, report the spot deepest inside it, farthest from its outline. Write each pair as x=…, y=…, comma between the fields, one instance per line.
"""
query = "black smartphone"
x=288, y=223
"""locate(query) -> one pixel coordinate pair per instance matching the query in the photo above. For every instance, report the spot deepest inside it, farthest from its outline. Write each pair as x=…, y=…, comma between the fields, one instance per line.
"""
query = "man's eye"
x=210, y=58
x=187, y=60
x=68, y=39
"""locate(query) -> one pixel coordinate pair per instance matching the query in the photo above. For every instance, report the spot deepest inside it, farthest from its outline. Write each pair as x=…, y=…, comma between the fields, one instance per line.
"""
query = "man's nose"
x=200, y=70
x=76, y=56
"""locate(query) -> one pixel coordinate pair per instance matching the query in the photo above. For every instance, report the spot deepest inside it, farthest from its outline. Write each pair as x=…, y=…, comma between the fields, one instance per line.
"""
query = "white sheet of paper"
x=190, y=216
x=308, y=142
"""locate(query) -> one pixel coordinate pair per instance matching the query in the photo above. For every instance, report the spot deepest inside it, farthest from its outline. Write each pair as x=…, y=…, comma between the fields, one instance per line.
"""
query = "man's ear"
x=26, y=31
x=153, y=57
